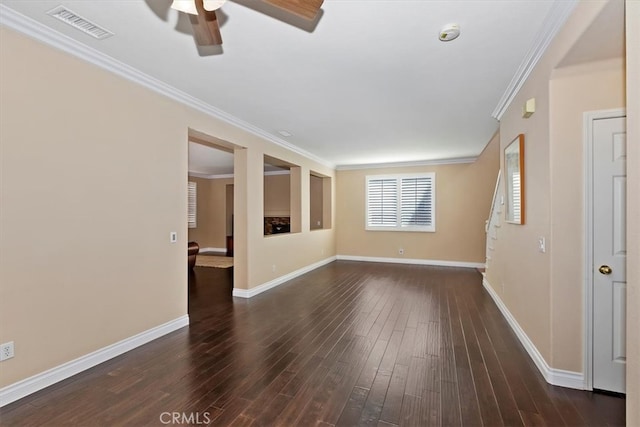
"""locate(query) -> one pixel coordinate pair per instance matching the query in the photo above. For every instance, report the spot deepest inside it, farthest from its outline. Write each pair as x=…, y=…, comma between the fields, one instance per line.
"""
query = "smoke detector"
x=449, y=32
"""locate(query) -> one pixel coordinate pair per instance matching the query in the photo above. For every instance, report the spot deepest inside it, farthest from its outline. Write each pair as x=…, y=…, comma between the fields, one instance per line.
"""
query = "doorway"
x=605, y=243
x=211, y=175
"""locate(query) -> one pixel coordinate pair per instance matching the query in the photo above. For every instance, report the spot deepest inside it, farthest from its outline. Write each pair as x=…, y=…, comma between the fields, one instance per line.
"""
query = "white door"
x=609, y=253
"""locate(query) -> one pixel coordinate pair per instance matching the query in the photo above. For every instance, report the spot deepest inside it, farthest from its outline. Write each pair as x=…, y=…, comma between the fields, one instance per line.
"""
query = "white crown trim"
x=230, y=175
x=273, y=173
x=455, y=161
x=554, y=20
x=209, y=176
x=36, y=30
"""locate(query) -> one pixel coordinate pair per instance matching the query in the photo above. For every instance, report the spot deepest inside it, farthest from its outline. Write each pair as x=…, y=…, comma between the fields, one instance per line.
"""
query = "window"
x=191, y=215
x=401, y=202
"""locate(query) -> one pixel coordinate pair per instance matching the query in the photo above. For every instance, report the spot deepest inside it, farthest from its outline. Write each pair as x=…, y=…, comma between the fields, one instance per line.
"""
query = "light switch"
x=173, y=237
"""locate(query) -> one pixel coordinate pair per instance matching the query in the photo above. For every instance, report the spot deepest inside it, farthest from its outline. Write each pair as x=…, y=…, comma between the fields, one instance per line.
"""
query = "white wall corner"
x=249, y=293
x=30, y=385
x=557, y=377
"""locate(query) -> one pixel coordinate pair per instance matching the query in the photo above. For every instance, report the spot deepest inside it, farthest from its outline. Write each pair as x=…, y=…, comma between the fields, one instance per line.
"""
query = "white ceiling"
x=206, y=162
x=370, y=84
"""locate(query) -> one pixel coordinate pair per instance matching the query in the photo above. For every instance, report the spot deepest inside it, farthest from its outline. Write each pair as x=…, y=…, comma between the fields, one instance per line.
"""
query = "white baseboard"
x=23, y=388
x=248, y=293
x=435, y=262
x=214, y=250
x=553, y=376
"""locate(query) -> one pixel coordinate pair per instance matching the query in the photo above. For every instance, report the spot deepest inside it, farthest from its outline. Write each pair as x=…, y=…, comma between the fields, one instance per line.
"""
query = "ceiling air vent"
x=80, y=23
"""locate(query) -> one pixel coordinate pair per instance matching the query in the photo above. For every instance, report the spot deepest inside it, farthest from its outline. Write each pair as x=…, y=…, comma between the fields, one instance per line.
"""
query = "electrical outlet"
x=6, y=350
x=273, y=268
x=542, y=244
x=400, y=251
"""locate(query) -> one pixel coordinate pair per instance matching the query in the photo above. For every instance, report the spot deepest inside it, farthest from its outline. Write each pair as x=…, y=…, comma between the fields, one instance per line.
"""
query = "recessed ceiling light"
x=285, y=133
x=449, y=32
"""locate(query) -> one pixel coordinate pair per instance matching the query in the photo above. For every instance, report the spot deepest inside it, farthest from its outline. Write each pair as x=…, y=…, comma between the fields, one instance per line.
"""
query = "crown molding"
x=210, y=176
x=38, y=31
x=271, y=173
x=456, y=161
x=554, y=20
x=230, y=175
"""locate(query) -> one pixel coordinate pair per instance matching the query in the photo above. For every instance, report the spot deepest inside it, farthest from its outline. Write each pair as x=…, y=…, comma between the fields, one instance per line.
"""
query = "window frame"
x=398, y=222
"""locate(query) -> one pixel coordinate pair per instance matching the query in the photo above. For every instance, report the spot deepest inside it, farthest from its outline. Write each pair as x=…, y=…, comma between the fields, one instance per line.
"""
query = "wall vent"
x=80, y=23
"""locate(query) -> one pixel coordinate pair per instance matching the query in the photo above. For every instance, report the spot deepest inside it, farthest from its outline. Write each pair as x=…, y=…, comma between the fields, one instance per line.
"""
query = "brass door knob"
x=605, y=269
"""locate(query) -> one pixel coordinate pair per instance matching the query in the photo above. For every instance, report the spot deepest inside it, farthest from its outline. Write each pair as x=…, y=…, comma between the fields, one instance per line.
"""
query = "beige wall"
x=633, y=216
x=277, y=195
x=544, y=291
x=93, y=180
x=211, y=210
x=574, y=90
x=463, y=199
x=302, y=248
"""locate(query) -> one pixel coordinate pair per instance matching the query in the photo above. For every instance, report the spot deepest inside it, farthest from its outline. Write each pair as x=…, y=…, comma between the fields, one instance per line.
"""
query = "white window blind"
x=191, y=215
x=382, y=202
x=401, y=202
x=515, y=188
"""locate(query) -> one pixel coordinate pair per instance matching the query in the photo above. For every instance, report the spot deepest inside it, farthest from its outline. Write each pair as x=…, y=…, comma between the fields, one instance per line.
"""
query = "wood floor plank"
x=484, y=388
x=450, y=407
x=375, y=399
x=416, y=377
x=371, y=366
x=411, y=413
x=312, y=412
x=406, y=346
x=270, y=412
x=393, y=402
x=268, y=395
x=353, y=409
x=355, y=359
x=469, y=407
x=349, y=343
x=501, y=390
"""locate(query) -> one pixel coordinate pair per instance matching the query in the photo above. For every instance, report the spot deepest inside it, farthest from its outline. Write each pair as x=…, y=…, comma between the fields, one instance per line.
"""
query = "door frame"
x=589, y=118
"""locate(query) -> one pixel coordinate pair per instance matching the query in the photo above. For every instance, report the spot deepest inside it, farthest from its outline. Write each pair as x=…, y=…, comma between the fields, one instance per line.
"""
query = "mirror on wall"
x=514, y=178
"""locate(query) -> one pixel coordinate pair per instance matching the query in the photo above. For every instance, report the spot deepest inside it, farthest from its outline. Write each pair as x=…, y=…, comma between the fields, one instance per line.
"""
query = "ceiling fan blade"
x=205, y=26
x=307, y=9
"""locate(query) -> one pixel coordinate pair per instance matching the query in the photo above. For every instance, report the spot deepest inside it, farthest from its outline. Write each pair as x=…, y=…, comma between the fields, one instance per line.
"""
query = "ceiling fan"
x=206, y=30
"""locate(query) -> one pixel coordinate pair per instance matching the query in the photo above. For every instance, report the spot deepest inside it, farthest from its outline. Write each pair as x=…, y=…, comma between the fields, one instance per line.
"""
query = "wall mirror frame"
x=514, y=180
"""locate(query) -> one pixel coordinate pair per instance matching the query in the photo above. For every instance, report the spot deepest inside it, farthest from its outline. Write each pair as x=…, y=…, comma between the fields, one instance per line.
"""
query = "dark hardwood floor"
x=347, y=344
